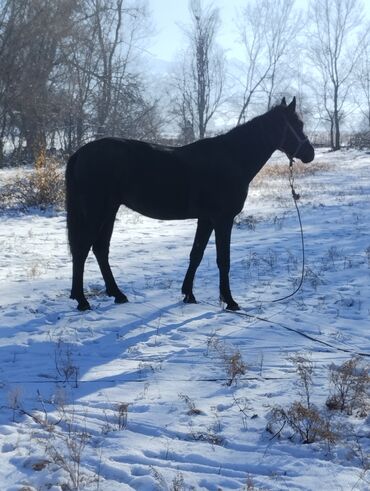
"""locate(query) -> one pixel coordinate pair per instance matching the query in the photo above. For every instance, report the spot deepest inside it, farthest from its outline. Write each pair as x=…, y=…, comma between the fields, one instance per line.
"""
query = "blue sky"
x=167, y=15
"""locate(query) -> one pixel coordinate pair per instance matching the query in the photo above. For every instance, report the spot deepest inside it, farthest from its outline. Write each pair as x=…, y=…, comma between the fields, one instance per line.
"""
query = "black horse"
x=207, y=180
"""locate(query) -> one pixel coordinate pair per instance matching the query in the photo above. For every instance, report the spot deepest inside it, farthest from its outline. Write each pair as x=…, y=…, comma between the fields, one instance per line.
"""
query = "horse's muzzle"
x=307, y=155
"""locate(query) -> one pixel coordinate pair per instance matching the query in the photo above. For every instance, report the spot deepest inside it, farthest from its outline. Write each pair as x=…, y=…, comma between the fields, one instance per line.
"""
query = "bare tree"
x=201, y=80
x=183, y=107
x=267, y=29
x=77, y=84
x=280, y=39
x=67, y=73
x=6, y=71
x=118, y=25
x=335, y=48
x=103, y=91
x=107, y=19
x=32, y=32
x=363, y=82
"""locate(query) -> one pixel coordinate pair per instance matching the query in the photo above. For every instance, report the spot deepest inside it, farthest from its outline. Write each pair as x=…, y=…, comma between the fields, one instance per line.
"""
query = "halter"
x=300, y=141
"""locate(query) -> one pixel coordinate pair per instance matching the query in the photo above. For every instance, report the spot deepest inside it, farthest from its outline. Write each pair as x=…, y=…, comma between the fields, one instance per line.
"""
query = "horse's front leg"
x=202, y=235
x=223, y=236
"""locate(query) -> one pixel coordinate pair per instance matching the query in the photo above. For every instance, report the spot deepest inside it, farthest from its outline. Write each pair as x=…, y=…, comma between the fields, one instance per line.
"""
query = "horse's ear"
x=292, y=104
x=283, y=101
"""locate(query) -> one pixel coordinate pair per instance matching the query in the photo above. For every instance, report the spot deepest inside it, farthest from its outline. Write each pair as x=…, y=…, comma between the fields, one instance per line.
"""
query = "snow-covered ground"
x=136, y=396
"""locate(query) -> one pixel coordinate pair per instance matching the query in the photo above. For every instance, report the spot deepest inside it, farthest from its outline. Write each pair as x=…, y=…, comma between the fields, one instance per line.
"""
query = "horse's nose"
x=308, y=155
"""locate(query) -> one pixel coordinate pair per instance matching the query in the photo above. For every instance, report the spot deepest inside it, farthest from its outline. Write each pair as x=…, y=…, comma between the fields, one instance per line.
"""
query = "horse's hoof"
x=232, y=306
x=121, y=298
x=189, y=298
x=83, y=306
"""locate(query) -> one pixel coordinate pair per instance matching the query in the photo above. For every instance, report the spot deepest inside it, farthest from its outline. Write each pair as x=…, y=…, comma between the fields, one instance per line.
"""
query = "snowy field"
x=158, y=395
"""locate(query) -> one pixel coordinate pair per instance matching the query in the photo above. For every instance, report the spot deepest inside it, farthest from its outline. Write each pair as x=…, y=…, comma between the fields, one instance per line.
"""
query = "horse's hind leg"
x=101, y=251
x=202, y=235
x=79, y=256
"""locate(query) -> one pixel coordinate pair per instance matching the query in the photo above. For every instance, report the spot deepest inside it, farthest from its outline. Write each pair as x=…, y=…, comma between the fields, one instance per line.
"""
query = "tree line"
x=70, y=71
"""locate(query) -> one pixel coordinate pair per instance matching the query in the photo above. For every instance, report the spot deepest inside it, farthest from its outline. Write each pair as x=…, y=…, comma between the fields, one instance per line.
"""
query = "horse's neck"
x=254, y=143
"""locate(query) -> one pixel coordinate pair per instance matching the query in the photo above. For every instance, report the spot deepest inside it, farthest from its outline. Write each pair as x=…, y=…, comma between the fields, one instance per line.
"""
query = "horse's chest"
x=224, y=196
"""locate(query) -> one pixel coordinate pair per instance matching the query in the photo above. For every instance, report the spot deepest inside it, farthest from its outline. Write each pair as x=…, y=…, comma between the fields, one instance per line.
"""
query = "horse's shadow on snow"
x=41, y=365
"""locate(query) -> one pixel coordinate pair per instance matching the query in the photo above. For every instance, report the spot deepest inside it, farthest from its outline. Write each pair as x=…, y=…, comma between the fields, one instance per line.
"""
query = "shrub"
x=43, y=187
x=304, y=421
x=349, y=385
x=360, y=140
x=302, y=417
x=245, y=221
x=367, y=252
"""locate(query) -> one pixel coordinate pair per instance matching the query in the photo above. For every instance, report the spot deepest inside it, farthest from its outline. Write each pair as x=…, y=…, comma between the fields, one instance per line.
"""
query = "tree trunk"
x=336, y=145
x=332, y=134
x=35, y=141
x=1, y=152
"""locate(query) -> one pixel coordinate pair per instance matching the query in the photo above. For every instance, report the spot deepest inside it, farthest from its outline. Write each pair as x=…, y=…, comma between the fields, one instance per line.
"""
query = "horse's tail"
x=73, y=206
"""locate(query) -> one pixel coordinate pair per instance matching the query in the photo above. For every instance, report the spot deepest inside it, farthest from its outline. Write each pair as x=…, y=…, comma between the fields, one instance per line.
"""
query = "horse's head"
x=294, y=143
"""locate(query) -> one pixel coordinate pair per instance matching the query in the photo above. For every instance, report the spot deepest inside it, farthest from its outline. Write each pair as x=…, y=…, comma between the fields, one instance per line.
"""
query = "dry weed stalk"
x=65, y=449
x=244, y=406
x=64, y=363
x=304, y=369
x=14, y=400
x=177, y=483
x=231, y=358
x=208, y=435
x=192, y=409
x=122, y=410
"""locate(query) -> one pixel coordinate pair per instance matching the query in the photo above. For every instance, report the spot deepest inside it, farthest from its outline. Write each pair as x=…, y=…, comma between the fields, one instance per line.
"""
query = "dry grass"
x=279, y=170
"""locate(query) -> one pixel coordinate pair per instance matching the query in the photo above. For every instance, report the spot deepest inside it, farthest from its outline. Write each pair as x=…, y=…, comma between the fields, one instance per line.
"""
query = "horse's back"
x=150, y=179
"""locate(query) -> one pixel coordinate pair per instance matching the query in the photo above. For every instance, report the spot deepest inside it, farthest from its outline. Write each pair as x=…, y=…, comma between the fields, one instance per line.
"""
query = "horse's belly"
x=160, y=207
x=162, y=213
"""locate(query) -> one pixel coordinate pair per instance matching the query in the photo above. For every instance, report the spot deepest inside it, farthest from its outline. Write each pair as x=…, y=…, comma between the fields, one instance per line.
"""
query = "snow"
x=116, y=385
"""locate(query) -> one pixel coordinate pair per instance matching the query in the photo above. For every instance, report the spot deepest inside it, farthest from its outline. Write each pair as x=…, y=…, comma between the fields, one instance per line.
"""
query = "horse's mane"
x=251, y=124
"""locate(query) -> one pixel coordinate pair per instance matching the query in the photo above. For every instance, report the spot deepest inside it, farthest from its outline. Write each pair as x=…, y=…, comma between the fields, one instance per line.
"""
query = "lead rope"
x=296, y=197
